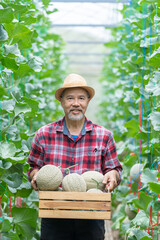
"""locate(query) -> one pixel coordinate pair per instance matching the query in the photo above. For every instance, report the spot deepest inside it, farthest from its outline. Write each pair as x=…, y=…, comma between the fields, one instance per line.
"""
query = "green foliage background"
x=131, y=108
x=32, y=66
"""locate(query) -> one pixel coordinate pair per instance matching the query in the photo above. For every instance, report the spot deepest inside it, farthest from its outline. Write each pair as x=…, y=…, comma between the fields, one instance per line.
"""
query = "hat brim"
x=59, y=91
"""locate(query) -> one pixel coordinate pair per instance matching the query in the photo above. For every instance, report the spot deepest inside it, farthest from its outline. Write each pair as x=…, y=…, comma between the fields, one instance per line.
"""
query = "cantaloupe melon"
x=91, y=178
x=73, y=182
x=135, y=171
x=49, y=178
x=130, y=213
x=94, y=190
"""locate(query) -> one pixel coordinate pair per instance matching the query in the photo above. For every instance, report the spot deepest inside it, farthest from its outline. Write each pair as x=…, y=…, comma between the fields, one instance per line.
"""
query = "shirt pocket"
x=93, y=154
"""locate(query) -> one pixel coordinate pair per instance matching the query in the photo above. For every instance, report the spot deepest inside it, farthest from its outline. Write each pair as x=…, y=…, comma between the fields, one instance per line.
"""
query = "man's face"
x=74, y=103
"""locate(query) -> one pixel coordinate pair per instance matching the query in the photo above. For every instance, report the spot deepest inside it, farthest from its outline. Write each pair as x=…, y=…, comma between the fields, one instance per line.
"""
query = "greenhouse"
x=113, y=45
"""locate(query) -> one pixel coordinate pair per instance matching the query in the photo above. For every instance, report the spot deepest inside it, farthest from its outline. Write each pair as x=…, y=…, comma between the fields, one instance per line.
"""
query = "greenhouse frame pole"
x=85, y=25
x=92, y=1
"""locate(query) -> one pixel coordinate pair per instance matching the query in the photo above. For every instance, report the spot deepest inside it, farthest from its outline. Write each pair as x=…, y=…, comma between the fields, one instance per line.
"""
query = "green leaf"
x=153, y=88
x=10, y=236
x=141, y=219
x=23, y=70
x=9, y=63
x=6, y=15
x=2, y=92
x=17, y=30
x=19, y=8
x=148, y=41
x=143, y=201
x=21, y=108
x=24, y=190
x=6, y=225
x=139, y=234
x=154, y=58
x=155, y=187
x=3, y=34
x=13, y=180
x=133, y=127
x=155, y=120
x=7, y=149
x=13, y=176
x=25, y=221
x=20, y=34
x=32, y=103
x=35, y=63
x=5, y=164
x=28, y=19
x=148, y=175
x=15, y=160
x=26, y=144
x=3, y=187
x=8, y=105
x=12, y=50
x=46, y=2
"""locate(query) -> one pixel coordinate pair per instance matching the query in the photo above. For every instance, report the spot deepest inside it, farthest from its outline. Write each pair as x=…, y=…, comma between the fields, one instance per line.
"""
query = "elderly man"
x=74, y=140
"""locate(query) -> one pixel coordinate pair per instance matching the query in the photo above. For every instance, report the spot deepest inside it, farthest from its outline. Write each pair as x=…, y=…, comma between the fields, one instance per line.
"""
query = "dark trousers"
x=72, y=229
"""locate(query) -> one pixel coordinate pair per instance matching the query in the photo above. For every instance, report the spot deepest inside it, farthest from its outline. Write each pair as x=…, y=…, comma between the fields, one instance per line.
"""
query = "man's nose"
x=76, y=102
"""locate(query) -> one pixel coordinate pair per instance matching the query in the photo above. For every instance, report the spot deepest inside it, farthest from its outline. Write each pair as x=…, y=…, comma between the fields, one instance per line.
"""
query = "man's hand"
x=111, y=180
x=33, y=176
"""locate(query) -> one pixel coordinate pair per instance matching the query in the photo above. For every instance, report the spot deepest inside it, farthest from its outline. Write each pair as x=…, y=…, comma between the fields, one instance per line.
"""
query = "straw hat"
x=74, y=80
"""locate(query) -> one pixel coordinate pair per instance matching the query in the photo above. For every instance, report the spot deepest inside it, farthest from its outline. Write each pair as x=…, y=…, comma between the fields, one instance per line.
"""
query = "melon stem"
x=96, y=183
x=68, y=169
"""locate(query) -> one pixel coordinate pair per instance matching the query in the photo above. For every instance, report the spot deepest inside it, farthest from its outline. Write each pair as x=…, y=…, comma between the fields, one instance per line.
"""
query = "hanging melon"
x=73, y=182
x=130, y=213
x=49, y=177
x=136, y=169
x=92, y=178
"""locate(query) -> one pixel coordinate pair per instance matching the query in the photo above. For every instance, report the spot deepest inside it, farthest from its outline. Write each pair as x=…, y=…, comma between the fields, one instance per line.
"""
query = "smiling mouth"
x=75, y=111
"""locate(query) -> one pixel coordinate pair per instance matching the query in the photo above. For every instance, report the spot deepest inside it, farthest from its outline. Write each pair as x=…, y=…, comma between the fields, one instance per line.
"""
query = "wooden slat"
x=75, y=196
x=74, y=205
x=74, y=214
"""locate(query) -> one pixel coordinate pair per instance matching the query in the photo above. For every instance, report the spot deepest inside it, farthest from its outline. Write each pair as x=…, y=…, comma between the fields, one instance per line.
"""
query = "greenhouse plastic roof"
x=82, y=26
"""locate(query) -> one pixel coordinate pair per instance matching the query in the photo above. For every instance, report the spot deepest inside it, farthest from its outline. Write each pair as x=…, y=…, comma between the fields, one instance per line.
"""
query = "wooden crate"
x=80, y=205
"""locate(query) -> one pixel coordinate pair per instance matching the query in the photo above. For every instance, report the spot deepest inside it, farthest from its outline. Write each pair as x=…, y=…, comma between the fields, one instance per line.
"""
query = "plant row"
x=130, y=107
x=32, y=66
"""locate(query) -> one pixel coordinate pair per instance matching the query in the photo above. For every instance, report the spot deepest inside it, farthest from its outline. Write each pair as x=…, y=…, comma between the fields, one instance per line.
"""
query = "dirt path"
x=110, y=234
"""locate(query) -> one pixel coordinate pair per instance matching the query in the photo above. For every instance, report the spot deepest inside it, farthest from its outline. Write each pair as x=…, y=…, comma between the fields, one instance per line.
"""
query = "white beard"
x=75, y=118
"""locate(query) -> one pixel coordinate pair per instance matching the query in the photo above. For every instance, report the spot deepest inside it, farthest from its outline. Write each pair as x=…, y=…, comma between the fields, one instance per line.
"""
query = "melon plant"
x=73, y=182
x=92, y=178
x=49, y=177
x=135, y=171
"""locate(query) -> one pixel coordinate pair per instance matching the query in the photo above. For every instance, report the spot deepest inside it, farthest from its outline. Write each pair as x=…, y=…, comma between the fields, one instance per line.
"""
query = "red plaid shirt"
x=93, y=149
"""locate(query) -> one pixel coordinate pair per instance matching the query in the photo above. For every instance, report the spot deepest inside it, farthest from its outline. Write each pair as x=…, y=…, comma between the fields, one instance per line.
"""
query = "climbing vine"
x=32, y=66
x=131, y=109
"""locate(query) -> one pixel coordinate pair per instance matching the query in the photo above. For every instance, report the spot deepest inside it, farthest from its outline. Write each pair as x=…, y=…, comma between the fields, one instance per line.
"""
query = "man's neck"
x=75, y=126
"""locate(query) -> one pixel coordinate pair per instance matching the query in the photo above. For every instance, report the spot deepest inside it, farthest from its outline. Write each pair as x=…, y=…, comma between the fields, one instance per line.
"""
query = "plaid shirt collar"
x=62, y=127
